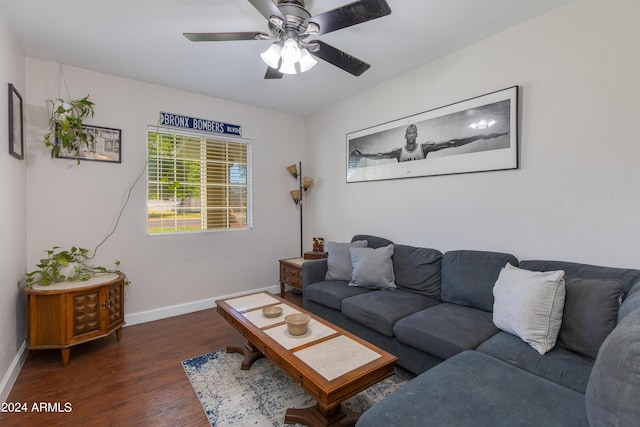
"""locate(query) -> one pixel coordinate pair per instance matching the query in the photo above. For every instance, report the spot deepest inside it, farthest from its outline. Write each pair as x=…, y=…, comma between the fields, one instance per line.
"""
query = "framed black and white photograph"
x=476, y=135
x=104, y=145
x=16, y=123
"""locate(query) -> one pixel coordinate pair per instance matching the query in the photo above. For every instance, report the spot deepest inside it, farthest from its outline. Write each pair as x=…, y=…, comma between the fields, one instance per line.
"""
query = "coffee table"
x=328, y=362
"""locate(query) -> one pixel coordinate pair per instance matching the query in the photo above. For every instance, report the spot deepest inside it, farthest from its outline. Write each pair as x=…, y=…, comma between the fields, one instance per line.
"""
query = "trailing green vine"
x=72, y=264
x=62, y=265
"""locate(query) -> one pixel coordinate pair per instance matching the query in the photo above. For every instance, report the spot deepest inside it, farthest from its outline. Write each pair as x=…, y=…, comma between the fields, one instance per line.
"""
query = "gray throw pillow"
x=417, y=270
x=590, y=314
x=372, y=268
x=339, y=260
x=529, y=304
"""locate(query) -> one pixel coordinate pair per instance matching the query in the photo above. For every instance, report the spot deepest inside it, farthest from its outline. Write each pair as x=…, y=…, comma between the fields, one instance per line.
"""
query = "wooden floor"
x=136, y=382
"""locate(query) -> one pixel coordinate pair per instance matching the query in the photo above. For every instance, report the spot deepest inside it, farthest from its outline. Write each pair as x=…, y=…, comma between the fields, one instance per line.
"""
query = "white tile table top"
x=96, y=279
x=337, y=356
x=251, y=301
x=260, y=320
x=282, y=336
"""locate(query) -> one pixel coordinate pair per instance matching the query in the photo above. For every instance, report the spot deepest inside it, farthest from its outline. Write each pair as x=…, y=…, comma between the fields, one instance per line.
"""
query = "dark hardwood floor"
x=136, y=382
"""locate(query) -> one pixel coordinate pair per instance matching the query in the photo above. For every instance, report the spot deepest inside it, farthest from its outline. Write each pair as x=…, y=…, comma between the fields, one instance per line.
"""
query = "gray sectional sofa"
x=439, y=322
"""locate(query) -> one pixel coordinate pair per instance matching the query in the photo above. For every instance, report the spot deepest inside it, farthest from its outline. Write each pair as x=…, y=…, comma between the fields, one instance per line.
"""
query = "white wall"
x=575, y=196
x=77, y=205
x=12, y=221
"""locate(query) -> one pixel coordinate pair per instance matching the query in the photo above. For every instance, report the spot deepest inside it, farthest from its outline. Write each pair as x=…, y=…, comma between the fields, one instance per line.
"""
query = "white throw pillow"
x=373, y=268
x=529, y=304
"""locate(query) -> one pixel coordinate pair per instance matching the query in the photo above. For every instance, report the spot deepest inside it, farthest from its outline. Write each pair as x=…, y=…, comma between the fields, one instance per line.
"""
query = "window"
x=196, y=182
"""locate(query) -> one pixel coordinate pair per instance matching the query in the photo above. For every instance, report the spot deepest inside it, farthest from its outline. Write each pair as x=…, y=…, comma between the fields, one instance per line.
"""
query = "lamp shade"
x=306, y=61
x=288, y=67
x=290, y=51
x=271, y=56
x=295, y=195
x=307, y=183
x=293, y=170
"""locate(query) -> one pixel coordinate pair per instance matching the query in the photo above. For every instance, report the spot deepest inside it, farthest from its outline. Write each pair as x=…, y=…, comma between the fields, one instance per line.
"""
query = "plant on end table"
x=62, y=265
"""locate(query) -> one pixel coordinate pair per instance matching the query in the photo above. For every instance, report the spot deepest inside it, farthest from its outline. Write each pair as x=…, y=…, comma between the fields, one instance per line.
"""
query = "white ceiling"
x=142, y=40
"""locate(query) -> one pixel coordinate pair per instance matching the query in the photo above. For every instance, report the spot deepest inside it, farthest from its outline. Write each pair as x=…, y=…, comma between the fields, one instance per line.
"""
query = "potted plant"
x=65, y=125
x=62, y=265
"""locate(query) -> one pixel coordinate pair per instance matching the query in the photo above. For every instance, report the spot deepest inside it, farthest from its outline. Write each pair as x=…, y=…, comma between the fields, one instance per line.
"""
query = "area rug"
x=261, y=395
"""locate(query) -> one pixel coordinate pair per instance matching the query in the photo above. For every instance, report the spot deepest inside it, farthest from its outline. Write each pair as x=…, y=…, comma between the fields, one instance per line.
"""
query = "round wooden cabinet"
x=64, y=314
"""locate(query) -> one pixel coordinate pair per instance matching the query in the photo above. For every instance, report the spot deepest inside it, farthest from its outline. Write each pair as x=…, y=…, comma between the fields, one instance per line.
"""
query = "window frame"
x=204, y=136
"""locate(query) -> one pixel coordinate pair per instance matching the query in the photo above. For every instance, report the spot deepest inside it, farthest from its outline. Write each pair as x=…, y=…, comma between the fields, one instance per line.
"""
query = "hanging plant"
x=65, y=126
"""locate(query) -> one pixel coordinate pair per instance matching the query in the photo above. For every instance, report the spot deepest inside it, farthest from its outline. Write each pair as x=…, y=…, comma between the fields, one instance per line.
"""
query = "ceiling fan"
x=290, y=26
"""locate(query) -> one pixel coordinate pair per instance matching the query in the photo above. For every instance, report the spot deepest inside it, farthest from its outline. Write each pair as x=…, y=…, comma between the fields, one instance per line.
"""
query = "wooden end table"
x=68, y=313
x=291, y=273
x=310, y=359
x=291, y=270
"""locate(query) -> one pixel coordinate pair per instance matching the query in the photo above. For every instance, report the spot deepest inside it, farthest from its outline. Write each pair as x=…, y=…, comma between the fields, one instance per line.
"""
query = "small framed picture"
x=104, y=146
x=16, y=123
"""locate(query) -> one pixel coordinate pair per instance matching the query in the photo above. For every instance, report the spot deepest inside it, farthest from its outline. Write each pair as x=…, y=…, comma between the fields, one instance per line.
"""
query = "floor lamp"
x=303, y=184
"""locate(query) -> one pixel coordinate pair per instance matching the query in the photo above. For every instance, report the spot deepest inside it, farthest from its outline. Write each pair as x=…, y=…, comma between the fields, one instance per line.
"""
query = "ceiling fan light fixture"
x=271, y=56
x=290, y=51
x=306, y=61
x=288, y=67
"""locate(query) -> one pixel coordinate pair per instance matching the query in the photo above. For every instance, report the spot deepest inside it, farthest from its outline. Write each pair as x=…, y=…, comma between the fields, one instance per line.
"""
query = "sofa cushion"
x=331, y=293
x=445, y=329
x=475, y=390
x=372, y=268
x=339, y=265
x=372, y=241
x=559, y=365
x=418, y=270
x=530, y=304
x=380, y=310
x=468, y=277
x=612, y=393
x=590, y=314
x=586, y=271
x=630, y=303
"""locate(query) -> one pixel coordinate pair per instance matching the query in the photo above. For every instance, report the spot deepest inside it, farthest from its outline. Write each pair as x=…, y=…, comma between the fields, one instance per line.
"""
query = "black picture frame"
x=475, y=135
x=16, y=123
x=105, y=147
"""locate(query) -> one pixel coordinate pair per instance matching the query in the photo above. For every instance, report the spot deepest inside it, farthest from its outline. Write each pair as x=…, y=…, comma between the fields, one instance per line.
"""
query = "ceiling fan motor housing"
x=295, y=14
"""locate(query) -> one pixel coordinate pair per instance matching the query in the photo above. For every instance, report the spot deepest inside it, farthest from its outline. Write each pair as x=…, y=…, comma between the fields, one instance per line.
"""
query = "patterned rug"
x=262, y=395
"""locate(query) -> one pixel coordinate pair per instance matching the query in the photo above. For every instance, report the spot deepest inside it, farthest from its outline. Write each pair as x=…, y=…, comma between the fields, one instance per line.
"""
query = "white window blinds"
x=197, y=182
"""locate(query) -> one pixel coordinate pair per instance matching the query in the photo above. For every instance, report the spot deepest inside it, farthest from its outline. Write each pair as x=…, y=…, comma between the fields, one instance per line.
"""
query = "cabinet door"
x=86, y=315
x=291, y=275
x=115, y=305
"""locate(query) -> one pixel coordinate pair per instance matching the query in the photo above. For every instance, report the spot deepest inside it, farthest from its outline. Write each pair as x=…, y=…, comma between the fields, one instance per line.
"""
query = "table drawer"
x=290, y=275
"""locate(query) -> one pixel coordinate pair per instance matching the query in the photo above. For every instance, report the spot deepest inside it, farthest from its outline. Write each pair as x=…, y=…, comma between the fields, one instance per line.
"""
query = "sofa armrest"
x=313, y=271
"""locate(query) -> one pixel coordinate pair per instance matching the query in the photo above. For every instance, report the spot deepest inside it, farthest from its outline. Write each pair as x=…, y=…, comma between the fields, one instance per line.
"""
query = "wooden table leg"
x=251, y=354
x=281, y=290
x=65, y=352
x=315, y=416
x=118, y=334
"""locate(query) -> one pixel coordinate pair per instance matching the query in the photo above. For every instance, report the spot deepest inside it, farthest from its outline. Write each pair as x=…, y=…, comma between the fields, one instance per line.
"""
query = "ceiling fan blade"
x=267, y=8
x=222, y=37
x=273, y=73
x=340, y=59
x=350, y=14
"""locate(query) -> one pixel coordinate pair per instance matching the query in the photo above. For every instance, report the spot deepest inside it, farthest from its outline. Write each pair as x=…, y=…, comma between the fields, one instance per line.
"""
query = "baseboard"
x=12, y=373
x=189, y=307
